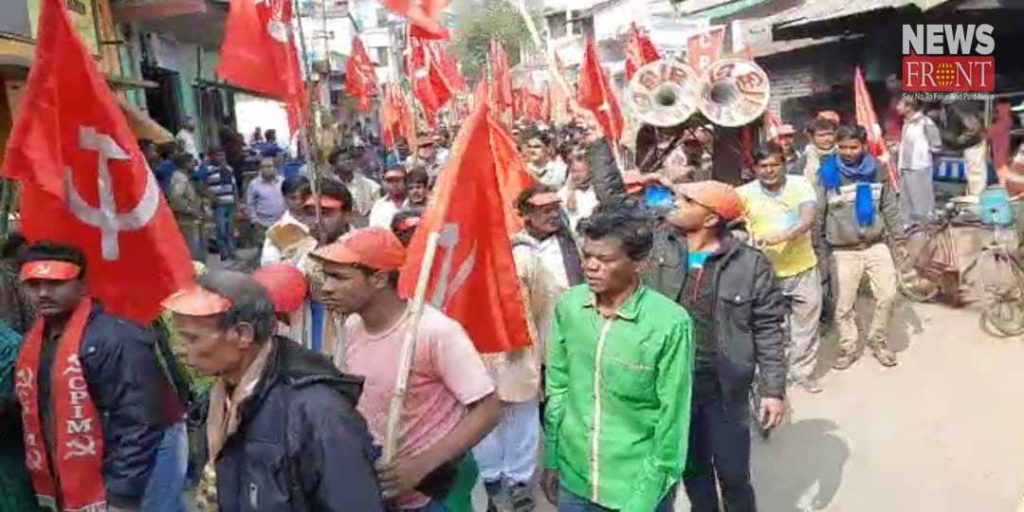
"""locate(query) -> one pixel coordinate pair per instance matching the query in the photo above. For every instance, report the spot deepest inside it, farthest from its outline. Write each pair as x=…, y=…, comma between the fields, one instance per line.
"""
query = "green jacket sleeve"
x=662, y=468
x=556, y=388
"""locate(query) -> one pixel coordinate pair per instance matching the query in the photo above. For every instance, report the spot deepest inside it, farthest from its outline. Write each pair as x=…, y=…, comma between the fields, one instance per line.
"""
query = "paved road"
x=943, y=431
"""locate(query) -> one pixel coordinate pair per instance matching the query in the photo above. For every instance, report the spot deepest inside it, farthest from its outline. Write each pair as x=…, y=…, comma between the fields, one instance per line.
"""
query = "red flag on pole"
x=705, y=48
x=639, y=51
x=397, y=119
x=867, y=118
x=86, y=183
x=424, y=16
x=474, y=278
x=258, y=53
x=595, y=94
x=450, y=70
x=502, y=77
x=360, y=75
x=428, y=82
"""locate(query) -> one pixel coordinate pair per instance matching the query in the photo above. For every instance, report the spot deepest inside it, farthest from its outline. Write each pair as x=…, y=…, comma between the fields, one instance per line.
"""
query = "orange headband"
x=50, y=270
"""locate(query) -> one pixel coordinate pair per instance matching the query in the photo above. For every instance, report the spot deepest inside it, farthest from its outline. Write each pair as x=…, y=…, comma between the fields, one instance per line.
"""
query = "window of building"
x=556, y=24
x=382, y=57
x=581, y=23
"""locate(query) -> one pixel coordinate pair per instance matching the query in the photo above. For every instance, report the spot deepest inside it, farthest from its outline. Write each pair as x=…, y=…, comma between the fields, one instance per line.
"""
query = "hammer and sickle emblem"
x=276, y=28
x=105, y=216
x=449, y=240
x=80, y=448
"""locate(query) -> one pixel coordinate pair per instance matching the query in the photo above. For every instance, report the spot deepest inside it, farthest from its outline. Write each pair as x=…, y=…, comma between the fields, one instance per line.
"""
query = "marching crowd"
x=655, y=321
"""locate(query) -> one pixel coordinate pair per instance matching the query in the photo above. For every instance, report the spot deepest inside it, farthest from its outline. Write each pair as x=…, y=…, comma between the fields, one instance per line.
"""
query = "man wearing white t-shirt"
x=395, y=192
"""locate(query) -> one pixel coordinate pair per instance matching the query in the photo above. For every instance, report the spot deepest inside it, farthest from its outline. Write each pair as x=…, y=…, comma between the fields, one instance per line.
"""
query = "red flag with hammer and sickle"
x=85, y=182
x=473, y=279
x=258, y=53
x=639, y=50
x=595, y=94
x=360, y=77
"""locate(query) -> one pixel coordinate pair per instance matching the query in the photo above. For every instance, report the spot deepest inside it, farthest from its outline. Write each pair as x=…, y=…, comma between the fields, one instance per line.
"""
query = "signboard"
x=83, y=18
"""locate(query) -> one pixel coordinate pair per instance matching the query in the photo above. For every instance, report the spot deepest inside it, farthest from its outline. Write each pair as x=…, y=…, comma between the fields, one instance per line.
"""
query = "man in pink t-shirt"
x=450, y=404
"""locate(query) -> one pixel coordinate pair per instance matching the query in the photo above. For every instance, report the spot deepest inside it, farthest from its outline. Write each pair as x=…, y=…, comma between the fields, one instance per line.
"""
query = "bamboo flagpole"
x=408, y=350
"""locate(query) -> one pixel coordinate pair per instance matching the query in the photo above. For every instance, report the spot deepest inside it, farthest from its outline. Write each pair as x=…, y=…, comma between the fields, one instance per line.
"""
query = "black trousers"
x=719, y=450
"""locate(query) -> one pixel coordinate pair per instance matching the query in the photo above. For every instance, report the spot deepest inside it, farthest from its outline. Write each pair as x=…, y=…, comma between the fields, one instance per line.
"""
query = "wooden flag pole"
x=408, y=350
x=312, y=149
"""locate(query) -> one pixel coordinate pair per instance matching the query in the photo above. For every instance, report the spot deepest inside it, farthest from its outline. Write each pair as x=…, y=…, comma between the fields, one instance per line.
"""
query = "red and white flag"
x=705, y=48
x=639, y=51
x=473, y=279
x=867, y=118
x=84, y=181
x=258, y=53
x=423, y=15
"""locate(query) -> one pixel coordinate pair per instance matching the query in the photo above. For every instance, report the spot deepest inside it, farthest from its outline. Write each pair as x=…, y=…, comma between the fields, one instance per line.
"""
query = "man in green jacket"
x=620, y=370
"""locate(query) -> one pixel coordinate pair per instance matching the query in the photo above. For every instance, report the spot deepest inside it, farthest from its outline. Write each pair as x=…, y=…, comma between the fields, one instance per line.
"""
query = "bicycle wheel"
x=1003, y=313
x=911, y=283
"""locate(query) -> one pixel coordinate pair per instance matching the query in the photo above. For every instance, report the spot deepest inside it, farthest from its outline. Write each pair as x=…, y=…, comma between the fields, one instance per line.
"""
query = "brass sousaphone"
x=666, y=96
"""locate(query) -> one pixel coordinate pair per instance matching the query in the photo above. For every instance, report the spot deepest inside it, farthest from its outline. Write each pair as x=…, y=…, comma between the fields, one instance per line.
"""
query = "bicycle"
x=928, y=265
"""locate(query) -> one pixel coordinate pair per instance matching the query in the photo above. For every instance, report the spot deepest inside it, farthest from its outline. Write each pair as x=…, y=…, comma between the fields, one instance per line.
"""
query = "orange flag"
x=84, y=181
x=595, y=94
x=867, y=118
x=639, y=51
x=396, y=117
x=258, y=53
x=474, y=277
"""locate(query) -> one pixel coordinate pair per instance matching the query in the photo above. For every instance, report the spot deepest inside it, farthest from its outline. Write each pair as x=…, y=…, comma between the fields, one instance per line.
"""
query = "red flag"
x=86, y=183
x=397, y=119
x=595, y=94
x=502, y=77
x=545, y=107
x=771, y=125
x=867, y=118
x=360, y=76
x=428, y=82
x=705, y=48
x=639, y=51
x=258, y=53
x=424, y=16
x=474, y=278
x=450, y=69
x=533, y=105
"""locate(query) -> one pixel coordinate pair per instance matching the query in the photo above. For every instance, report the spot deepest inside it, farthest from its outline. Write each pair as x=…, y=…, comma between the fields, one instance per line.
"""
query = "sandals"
x=884, y=356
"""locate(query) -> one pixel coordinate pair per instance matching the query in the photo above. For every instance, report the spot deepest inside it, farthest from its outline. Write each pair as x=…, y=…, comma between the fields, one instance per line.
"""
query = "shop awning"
x=127, y=11
x=823, y=18
x=143, y=126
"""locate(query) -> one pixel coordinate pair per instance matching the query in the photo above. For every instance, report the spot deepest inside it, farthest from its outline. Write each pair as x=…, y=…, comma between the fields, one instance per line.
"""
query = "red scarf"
x=79, y=438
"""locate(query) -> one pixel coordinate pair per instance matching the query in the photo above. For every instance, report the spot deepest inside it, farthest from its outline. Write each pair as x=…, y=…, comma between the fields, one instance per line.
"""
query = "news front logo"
x=948, y=58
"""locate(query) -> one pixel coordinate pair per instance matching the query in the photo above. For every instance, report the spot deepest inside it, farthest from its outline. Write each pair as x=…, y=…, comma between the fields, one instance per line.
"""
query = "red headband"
x=50, y=270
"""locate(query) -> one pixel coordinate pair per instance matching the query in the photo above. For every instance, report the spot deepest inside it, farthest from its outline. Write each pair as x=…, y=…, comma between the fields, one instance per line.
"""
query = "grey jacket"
x=837, y=216
x=750, y=310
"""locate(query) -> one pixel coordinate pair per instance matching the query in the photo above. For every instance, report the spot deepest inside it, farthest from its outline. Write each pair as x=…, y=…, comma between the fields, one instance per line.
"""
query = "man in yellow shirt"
x=780, y=210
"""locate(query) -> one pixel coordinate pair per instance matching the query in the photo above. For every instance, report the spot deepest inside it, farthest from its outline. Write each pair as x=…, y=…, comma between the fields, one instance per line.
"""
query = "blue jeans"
x=166, y=486
x=224, y=214
x=719, y=455
x=570, y=502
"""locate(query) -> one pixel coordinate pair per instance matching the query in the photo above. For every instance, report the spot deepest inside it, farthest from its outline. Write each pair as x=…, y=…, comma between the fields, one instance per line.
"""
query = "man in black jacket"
x=127, y=403
x=283, y=429
x=730, y=292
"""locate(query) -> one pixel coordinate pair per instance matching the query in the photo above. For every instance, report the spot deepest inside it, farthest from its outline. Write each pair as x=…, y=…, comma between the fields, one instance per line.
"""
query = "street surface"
x=943, y=431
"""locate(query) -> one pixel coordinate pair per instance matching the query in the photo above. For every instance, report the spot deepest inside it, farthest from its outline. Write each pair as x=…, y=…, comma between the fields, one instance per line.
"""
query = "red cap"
x=285, y=284
x=50, y=270
x=196, y=301
x=374, y=247
x=325, y=202
x=719, y=197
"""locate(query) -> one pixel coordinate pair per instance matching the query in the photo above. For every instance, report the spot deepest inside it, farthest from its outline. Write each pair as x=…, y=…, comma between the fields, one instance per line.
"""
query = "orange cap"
x=325, y=202
x=285, y=284
x=50, y=270
x=544, y=199
x=719, y=197
x=373, y=247
x=196, y=301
